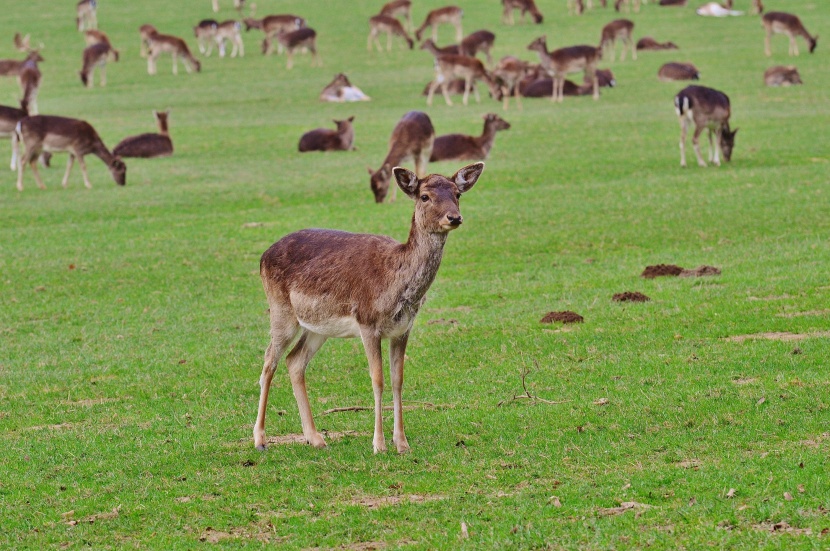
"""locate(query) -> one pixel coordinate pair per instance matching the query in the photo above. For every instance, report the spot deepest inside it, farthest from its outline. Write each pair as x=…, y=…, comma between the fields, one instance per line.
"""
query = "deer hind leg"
x=297, y=362
x=633, y=48
x=397, y=349
x=104, y=74
x=32, y=163
x=596, y=83
x=240, y=47
x=281, y=337
x=714, y=148
x=696, y=144
x=432, y=87
x=371, y=344
x=684, y=129
x=69, y=164
x=389, y=41
x=175, y=63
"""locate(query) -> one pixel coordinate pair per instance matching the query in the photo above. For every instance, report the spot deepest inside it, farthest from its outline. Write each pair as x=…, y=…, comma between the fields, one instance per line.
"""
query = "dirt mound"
x=701, y=271
x=660, y=270
x=630, y=296
x=564, y=317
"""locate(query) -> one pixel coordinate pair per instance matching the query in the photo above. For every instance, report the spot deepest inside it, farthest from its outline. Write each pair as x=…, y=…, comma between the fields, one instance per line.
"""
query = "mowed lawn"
x=133, y=322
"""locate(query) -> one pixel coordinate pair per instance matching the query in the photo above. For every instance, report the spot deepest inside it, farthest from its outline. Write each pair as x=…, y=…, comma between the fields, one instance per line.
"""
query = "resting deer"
x=672, y=71
x=205, y=33
x=342, y=90
x=399, y=8
x=412, y=138
x=389, y=25
x=781, y=75
x=164, y=43
x=149, y=145
x=431, y=47
x=322, y=284
x=672, y=3
x=449, y=14
x=86, y=17
x=450, y=67
x=648, y=43
x=44, y=133
x=559, y=63
x=788, y=24
x=619, y=29
x=715, y=9
x=460, y=147
x=707, y=109
x=324, y=139
x=479, y=41
x=525, y=6
x=508, y=73
x=94, y=36
x=305, y=38
x=230, y=31
x=94, y=56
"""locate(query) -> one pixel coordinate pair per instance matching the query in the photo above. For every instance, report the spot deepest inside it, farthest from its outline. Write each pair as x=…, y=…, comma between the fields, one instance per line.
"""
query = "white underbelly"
x=333, y=327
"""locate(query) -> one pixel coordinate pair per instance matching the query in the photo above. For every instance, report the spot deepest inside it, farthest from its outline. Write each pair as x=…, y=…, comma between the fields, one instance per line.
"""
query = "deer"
x=460, y=147
x=708, y=109
x=29, y=79
x=145, y=32
x=628, y=3
x=449, y=67
x=508, y=6
x=479, y=41
x=448, y=14
x=324, y=139
x=164, y=43
x=559, y=63
x=230, y=31
x=12, y=67
x=323, y=284
x=149, y=145
x=96, y=56
x=205, y=33
x=673, y=3
x=757, y=7
x=648, y=43
x=399, y=8
x=672, y=71
x=273, y=26
x=788, y=24
x=94, y=36
x=619, y=29
x=782, y=75
x=508, y=73
x=412, y=138
x=86, y=17
x=714, y=9
x=46, y=133
x=305, y=37
x=340, y=90
x=238, y=5
x=389, y=25
x=431, y=47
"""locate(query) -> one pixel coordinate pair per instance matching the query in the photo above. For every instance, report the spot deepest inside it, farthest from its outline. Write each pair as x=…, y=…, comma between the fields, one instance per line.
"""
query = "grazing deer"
x=164, y=43
x=205, y=33
x=788, y=24
x=322, y=284
x=230, y=31
x=86, y=17
x=707, y=109
x=412, y=138
x=94, y=56
x=559, y=63
x=342, y=90
x=648, y=43
x=479, y=41
x=389, y=25
x=619, y=29
x=450, y=67
x=323, y=139
x=44, y=133
x=145, y=32
x=460, y=147
x=94, y=36
x=12, y=67
x=431, y=47
x=508, y=73
x=672, y=71
x=618, y=4
x=757, y=7
x=305, y=38
x=149, y=145
x=449, y=14
x=455, y=87
x=399, y=8
x=525, y=6
x=781, y=75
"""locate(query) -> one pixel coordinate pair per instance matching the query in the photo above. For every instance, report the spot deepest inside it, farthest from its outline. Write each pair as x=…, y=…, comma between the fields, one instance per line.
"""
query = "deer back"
x=678, y=71
x=413, y=135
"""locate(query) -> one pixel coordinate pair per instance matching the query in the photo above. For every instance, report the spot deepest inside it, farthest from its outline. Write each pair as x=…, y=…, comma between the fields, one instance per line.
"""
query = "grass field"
x=133, y=322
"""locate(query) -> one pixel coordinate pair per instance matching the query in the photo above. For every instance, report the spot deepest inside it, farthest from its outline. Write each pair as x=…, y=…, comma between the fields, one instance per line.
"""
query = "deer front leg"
x=397, y=348
x=389, y=42
x=81, y=162
x=69, y=164
x=297, y=362
x=444, y=86
x=716, y=145
x=103, y=75
x=151, y=63
x=459, y=34
x=371, y=344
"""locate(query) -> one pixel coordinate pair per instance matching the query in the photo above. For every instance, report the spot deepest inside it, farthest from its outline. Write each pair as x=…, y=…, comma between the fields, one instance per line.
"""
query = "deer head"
x=436, y=197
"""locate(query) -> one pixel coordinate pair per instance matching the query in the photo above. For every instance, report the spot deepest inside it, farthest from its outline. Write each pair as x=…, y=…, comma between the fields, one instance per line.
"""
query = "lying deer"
x=96, y=56
x=648, y=43
x=788, y=24
x=619, y=29
x=708, y=109
x=450, y=67
x=389, y=25
x=149, y=145
x=460, y=147
x=164, y=43
x=399, y=8
x=672, y=3
x=447, y=15
x=412, y=138
x=44, y=133
x=781, y=75
x=205, y=33
x=342, y=90
x=715, y=9
x=305, y=38
x=230, y=31
x=323, y=284
x=672, y=71
x=559, y=63
x=479, y=41
x=323, y=139
x=86, y=17
x=508, y=6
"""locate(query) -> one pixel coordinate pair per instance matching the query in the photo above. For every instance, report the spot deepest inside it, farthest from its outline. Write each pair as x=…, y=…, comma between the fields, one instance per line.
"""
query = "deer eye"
x=424, y=198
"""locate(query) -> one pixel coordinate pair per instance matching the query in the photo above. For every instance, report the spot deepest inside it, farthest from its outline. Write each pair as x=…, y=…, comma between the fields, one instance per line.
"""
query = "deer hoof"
x=403, y=447
x=317, y=441
x=261, y=447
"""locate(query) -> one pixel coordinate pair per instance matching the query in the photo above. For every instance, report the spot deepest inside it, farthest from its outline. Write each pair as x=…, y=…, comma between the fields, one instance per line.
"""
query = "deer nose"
x=454, y=220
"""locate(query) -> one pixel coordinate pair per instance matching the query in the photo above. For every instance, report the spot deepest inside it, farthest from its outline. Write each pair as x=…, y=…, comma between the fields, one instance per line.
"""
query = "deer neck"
x=163, y=128
x=485, y=141
x=101, y=151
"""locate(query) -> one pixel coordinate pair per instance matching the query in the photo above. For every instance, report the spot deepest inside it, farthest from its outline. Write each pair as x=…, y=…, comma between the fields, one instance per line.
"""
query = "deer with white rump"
x=323, y=284
x=708, y=109
x=559, y=63
x=412, y=138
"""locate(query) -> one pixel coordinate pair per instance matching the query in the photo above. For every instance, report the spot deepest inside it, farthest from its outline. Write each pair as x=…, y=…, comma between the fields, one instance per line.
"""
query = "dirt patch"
x=301, y=439
x=693, y=464
x=778, y=336
x=782, y=527
x=745, y=380
x=701, y=271
x=442, y=321
x=801, y=314
x=565, y=316
x=624, y=506
x=661, y=270
x=630, y=296
x=376, y=502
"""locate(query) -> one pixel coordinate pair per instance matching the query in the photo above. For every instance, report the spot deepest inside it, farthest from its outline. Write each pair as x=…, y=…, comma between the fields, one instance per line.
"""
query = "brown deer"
x=399, y=8
x=782, y=75
x=42, y=133
x=757, y=7
x=149, y=145
x=94, y=36
x=12, y=67
x=145, y=32
x=273, y=26
x=508, y=73
x=628, y=3
x=479, y=41
x=322, y=284
x=450, y=67
x=619, y=29
x=708, y=109
x=389, y=25
x=340, y=90
x=559, y=63
x=86, y=17
x=448, y=14
x=29, y=79
x=168, y=44
x=673, y=3
x=672, y=71
x=205, y=33
x=648, y=43
x=508, y=6
x=788, y=24
x=96, y=56
x=412, y=138
x=305, y=38
x=323, y=139
x=460, y=147
x=431, y=47
x=455, y=87
x=230, y=31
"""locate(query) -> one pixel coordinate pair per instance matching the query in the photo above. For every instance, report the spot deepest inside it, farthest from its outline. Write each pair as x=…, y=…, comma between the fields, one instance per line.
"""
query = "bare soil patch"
x=630, y=296
x=624, y=506
x=661, y=270
x=565, y=316
x=803, y=314
x=376, y=502
x=783, y=527
x=301, y=439
x=784, y=336
x=701, y=271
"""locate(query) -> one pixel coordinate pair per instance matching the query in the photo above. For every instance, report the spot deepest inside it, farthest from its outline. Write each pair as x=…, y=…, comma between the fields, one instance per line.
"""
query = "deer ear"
x=466, y=177
x=350, y=119
x=407, y=180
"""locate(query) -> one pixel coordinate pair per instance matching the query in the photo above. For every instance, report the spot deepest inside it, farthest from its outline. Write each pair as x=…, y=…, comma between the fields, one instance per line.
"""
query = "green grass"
x=132, y=320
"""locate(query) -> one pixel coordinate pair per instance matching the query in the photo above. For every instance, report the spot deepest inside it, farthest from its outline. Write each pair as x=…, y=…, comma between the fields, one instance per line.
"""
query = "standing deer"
x=412, y=138
x=399, y=8
x=460, y=147
x=708, y=109
x=238, y=5
x=619, y=29
x=782, y=75
x=146, y=32
x=158, y=44
x=509, y=72
x=340, y=90
x=448, y=14
x=431, y=47
x=648, y=43
x=788, y=24
x=525, y=6
x=304, y=38
x=205, y=33
x=230, y=31
x=479, y=41
x=86, y=17
x=94, y=36
x=323, y=284
x=42, y=133
x=149, y=145
x=450, y=67
x=323, y=139
x=672, y=71
x=94, y=56
x=389, y=25
x=273, y=26
x=559, y=63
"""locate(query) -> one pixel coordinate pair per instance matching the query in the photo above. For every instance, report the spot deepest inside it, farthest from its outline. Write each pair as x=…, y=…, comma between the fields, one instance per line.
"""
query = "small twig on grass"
x=527, y=395
x=367, y=408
